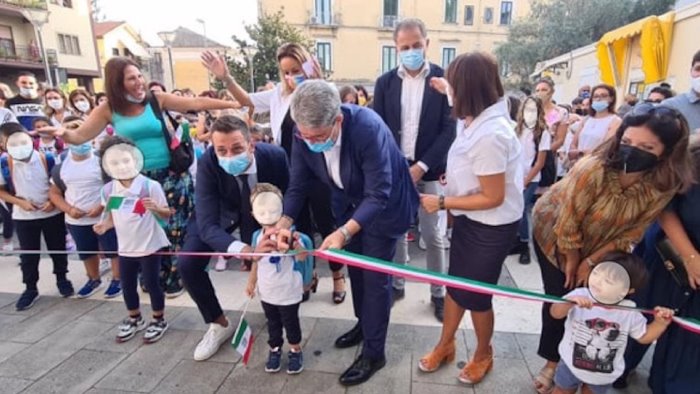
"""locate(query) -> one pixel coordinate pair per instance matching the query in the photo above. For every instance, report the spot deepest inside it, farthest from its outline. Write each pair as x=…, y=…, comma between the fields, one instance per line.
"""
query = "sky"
x=223, y=18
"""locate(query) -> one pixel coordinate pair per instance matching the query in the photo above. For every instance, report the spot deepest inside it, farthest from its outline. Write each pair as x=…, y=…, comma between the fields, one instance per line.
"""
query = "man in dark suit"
x=419, y=118
x=373, y=199
x=226, y=174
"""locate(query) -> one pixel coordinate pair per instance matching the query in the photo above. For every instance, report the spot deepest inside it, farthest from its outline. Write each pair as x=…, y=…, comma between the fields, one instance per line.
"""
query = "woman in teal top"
x=128, y=110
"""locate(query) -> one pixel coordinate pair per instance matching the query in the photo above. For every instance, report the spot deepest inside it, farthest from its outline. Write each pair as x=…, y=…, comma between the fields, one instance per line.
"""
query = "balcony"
x=26, y=56
x=388, y=22
x=19, y=4
x=325, y=20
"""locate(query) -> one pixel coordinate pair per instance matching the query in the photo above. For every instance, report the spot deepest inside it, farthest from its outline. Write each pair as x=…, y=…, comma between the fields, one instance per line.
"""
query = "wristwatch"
x=441, y=202
x=346, y=234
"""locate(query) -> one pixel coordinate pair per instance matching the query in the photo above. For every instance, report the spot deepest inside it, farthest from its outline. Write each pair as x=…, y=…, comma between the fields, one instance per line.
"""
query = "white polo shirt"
x=488, y=146
x=83, y=180
x=31, y=182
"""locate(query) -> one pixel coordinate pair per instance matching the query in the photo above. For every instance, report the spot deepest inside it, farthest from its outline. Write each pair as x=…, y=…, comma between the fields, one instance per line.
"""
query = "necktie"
x=247, y=226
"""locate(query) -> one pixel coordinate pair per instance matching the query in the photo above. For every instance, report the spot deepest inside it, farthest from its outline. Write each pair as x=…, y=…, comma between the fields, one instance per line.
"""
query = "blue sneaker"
x=274, y=360
x=90, y=288
x=65, y=288
x=295, y=363
x=114, y=289
x=27, y=300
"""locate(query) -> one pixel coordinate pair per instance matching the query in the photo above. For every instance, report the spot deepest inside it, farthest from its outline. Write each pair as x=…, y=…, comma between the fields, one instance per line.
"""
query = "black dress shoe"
x=350, y=338
x=361, y=370
x=438, y=307
x=397, y=294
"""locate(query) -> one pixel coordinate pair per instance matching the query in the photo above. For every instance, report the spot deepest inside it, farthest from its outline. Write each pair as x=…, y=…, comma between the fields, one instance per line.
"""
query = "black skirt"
x=478, y=251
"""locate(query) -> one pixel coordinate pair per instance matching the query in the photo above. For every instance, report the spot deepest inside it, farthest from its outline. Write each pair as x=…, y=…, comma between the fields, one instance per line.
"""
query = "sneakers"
x=114, y=289
x=129, y=327
x=295, y=362
x=105, y=266
x=8, y=247
x=173, y=287
x=155, y=330
x=213, y=339
x=27, y=300
x=65, y=287
x=421, y=243
x=221, y=264
x=90, y=288
x=274, y=360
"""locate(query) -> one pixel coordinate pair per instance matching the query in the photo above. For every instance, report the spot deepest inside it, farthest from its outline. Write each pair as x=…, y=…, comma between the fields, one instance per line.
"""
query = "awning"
x=655, y=44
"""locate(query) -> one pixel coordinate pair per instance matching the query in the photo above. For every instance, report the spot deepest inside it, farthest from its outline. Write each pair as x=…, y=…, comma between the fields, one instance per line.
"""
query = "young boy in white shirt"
x=592, y=350
x=280, y=280
x=135, y=207
x=25, y=184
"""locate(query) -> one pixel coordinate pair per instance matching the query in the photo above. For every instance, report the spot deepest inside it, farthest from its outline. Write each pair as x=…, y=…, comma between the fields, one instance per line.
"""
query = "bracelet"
x=346, y=234
x=441, y=202
x=590, y=262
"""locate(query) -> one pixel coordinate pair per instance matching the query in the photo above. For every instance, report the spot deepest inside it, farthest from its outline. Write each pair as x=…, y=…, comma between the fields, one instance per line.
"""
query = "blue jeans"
x=528, y=196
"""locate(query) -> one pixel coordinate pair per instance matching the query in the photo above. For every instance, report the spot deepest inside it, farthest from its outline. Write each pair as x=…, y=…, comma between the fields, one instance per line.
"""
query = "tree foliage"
x=268, y=34
x=555, y=27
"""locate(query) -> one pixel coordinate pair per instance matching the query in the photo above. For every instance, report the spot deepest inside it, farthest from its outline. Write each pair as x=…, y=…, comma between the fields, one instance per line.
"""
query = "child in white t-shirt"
x=592, y=349
x=135, y=207
x=280, y=280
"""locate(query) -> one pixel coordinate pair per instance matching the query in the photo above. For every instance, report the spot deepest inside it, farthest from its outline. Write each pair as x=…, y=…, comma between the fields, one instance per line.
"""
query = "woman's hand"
x=439, y=84
x=570, y=271
x=216, y=64
x=582, y=274
x=430, y=203
x=692, y=266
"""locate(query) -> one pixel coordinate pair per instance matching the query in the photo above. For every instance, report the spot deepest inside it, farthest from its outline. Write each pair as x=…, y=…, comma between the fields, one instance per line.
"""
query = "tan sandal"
x=544, y=381
x=441, y=354
x=475, y=371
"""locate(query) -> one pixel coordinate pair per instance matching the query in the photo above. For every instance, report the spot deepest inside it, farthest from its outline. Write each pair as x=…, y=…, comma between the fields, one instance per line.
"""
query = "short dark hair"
x=40, y=119
x=634, y=265
x=114, y=83
x=228, y=124
x=156, y=83
x=696, y=58
x=611, y=92
x=666, y=92
x=577, y=101
x=513, y=107
x=476, y=84
x=25, y=74
x=9, y=128
x=71, y=118
x=410, y=24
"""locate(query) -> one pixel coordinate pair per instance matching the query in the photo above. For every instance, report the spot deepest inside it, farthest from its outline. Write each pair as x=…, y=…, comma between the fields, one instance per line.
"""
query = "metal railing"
x=25, y=54
x=33, y=4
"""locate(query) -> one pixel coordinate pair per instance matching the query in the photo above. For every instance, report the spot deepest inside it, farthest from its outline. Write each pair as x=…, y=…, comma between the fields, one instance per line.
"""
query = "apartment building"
x=354, y=38
x=115, y=38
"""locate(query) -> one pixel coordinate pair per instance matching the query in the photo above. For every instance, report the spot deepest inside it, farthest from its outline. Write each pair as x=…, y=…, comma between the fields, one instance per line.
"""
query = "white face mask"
x=56, y=104
x=28, y=92
x=695, y=84
x=530, y=117
x=82, y=106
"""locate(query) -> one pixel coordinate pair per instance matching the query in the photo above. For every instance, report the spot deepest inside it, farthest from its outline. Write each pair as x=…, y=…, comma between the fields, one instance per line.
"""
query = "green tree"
x=268, y=34
x=555, y=27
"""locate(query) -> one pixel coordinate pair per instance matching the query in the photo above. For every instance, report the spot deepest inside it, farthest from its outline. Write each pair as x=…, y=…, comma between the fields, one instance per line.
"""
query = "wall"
x=74, y=21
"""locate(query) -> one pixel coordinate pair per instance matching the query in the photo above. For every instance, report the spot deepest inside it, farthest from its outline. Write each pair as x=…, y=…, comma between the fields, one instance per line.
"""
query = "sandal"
x=441, y=354
x=475, y=371
x=312, y=288
x=544, y=381
x=339, y=296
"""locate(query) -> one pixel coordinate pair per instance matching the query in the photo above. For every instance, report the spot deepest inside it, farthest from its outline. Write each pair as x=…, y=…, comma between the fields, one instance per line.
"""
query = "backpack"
x=7, y=167
x=304, y=267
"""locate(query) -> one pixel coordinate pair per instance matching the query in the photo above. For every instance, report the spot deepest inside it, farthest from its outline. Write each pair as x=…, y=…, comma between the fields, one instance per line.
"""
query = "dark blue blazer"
x=436, y=129
x=377, y=188
x=217, y=209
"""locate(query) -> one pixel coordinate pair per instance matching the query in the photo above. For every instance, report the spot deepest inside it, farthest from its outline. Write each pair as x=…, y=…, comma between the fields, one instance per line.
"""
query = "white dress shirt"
x=412, y=90
x=277, y=103
x=252, y=172
x=332, y=157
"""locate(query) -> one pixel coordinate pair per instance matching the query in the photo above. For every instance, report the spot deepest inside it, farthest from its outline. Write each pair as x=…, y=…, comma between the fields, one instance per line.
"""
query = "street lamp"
x=39, y=18
x=250, y=51
x=168, y=37
x=204, y=28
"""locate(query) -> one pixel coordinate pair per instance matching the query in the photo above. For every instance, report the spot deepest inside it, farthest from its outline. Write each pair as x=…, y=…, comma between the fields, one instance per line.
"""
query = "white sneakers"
x=221, y=264
x=213, y=339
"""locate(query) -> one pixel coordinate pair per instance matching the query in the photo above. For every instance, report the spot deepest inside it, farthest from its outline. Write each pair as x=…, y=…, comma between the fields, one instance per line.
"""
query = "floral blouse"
x=589, y=209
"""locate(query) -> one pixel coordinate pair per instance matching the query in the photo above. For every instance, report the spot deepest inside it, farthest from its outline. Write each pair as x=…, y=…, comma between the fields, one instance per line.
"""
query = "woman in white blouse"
x=484, y=194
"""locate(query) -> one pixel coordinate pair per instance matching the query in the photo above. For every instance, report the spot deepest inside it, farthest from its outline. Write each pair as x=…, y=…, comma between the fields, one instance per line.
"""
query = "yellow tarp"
x=655, y=44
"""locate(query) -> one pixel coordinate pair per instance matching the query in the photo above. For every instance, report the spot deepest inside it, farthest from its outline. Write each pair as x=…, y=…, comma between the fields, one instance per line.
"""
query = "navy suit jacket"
x=436, y=129
x=217, y=210
x=377, y=188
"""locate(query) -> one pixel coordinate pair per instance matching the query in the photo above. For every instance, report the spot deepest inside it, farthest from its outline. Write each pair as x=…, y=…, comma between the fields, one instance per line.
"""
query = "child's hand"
x=583, y=302
x=149, y=204
x=100, y=228
x=284, y=239
x=47, y=207
x=250, y=289
x=663, y=315
x=75, y=213
x=26, y=205
x=95, y=212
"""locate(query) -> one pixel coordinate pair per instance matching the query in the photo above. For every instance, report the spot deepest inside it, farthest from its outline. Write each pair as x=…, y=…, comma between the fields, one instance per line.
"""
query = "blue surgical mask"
x=298, y=79
x=234, y=165
x=82, y=149
x=599, y=105
x=320, y=147
x=412, y=59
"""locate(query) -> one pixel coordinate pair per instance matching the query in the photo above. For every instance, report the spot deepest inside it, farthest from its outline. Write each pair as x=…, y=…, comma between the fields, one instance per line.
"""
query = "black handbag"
x=672, y=261
x=548, y=175
x=182, y=156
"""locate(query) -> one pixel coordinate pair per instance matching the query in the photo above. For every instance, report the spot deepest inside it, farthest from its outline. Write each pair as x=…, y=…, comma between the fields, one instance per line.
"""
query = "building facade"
x=354, y=38
x=119, y=39
x=66, y=32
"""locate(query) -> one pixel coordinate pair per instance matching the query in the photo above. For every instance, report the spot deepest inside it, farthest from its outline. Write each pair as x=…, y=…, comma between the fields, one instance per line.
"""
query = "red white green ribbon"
x=436, y=278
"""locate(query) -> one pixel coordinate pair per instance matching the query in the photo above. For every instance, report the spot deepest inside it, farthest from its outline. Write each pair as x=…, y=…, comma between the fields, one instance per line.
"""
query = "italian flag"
x=181, y=134
x=131, y=205
x=243, y=340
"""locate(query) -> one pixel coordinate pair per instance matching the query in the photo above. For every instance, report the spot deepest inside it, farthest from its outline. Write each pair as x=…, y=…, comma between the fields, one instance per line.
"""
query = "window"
x=469, y=15
x=506, y=12
x=450, y=11
x=323, y=52
x=448, y=55
x=388, y=58
x=68, y=45
x=391, y=7
x=488, y=15
x=115, y=51
x=322, y=12
x=63, y=3
x=7, y=44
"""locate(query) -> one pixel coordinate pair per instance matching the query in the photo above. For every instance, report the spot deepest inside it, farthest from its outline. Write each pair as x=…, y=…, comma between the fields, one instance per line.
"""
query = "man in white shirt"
x=419, y=118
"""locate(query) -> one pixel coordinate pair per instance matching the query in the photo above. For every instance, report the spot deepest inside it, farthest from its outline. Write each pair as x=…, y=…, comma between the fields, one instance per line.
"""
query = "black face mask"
x=633, y=159
x=581, y=112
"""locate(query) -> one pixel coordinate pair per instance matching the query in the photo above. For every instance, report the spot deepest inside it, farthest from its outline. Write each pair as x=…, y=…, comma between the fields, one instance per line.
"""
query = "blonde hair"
x=264, y=188
x=301, y=55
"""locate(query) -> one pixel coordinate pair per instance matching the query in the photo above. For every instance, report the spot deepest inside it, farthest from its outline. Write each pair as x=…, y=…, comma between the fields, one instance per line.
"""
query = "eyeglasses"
x=312, y=140
x=601, y=325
